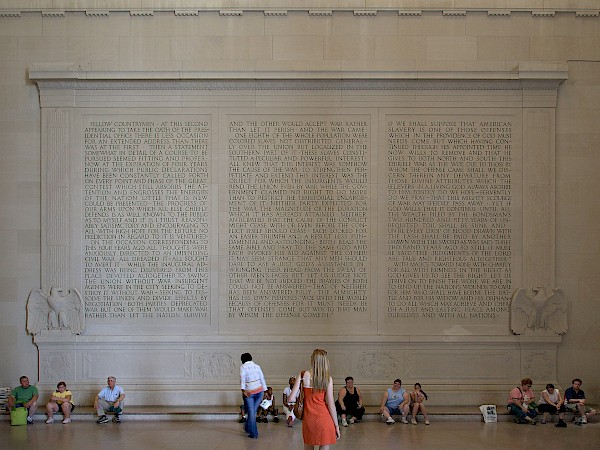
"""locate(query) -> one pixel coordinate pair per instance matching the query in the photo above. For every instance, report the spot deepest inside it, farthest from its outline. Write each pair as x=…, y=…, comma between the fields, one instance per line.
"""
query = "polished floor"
x=228, y=435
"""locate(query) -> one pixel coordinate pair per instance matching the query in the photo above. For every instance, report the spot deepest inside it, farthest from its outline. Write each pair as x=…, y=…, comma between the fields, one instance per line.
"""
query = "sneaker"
x=427, y=422
x=67, y=420
x=390, y=421
x=116, y=419
x=404, y=420
x=50, y=420
x=276, y=419
x=29, y=420
x=344, y=423
x=351, y=420
x=583, y=420
x=413, y=421
x=102, y=419
x=543, y=422
x=242, y=420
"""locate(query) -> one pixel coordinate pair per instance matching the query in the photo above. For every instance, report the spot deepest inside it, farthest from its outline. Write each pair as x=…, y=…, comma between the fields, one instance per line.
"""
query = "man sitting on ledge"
x=110, y=399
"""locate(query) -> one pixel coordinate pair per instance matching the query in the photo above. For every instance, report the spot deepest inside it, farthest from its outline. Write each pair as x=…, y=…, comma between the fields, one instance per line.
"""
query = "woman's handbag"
x=299, y=405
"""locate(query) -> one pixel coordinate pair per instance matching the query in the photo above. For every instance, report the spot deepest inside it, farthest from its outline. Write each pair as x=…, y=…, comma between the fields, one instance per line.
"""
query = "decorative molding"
x=454, y=12
x=499, y=12
x=543, y=13
x=365, y=13
x=186, y=12
x=282, y=12
x=57, y=365
x=97, y=13
x=231, y=12
x=590, y=13
x=381, y=365
x=300, y=84
x=320, y=12
x=216, y=366
x=10, y=13
x=53, y=13
x=410, y=13
x=141, y=12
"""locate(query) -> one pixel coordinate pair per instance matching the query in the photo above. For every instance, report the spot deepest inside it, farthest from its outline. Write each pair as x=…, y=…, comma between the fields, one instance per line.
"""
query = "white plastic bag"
x=489, y=413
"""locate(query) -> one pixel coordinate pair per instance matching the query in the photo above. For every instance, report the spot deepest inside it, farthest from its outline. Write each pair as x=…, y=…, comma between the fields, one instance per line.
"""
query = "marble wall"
x=232, y=293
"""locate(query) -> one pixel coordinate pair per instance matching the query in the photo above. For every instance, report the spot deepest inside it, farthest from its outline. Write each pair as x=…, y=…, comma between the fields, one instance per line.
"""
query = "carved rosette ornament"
x=539, y=313
x=57, y=365
x=380, y=365
x=216, y=366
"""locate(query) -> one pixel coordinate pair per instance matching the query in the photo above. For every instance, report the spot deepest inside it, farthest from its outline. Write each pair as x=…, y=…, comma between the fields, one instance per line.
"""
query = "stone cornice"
x=449, y=8
x=535, y=75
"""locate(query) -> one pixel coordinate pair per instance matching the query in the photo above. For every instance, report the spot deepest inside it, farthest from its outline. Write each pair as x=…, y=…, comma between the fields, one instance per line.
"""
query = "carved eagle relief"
x=61, y=310
x=539, y=312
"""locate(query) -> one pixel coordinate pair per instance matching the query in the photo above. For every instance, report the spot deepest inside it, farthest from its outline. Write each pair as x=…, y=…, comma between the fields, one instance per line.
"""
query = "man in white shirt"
x=110, y=399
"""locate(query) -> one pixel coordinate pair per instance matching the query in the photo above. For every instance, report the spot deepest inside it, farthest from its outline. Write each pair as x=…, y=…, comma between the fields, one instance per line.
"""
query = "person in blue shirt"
x=575, y=402
x=111, y=398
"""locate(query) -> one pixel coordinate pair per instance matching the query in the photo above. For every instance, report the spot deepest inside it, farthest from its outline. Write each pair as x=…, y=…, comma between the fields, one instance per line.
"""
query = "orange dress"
x=317, y=425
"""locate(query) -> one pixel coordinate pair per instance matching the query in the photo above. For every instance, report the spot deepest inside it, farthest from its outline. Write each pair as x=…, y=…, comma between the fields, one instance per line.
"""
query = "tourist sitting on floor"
x=395, y=400
x=349, y=403
x=110, y=399
x=267, y=406
x=521, y=402
x=24, y=396
x=575, y=402
x=417, y=402
x=288, y=403
x=61, y=400
x=551, y=402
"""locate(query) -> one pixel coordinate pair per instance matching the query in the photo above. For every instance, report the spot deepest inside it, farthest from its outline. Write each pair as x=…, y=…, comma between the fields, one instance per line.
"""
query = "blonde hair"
x=320, y=369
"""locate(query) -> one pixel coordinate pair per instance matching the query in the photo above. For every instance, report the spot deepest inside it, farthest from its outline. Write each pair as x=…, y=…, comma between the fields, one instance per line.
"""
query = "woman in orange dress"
x=319, y=422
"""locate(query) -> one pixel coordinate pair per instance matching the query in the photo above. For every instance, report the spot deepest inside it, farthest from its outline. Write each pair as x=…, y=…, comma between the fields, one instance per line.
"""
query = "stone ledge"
x=199, y=413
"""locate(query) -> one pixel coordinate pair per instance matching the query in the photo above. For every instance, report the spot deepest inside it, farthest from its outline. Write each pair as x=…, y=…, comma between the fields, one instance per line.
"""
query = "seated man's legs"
x=103, y=406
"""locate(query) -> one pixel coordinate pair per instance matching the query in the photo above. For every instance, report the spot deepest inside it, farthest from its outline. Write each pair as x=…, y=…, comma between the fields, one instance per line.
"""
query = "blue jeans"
x=251, y=405
x=517, y=411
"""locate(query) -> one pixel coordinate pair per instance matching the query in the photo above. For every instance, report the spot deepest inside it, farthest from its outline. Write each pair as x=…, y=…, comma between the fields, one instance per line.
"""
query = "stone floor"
x=226, y=435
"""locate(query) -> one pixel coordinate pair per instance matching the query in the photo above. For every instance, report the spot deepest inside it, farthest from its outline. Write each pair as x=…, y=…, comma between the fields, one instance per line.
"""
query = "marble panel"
x=247, y=47
x=83, y=48
x=198, y=49
x=550, y=48
x=590, y=48
x=399, y=48
x=8, y=48
x=29, y=24
x=8, y=284
x=42, y=49
x=349, y=48
x=8, y=96
x=144, y=48
x=298, y=48
x=503, y=48
x=451, y=48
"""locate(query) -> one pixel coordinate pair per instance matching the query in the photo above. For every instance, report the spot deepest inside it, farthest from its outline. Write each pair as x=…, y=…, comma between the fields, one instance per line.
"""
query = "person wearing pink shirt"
x=520, y=400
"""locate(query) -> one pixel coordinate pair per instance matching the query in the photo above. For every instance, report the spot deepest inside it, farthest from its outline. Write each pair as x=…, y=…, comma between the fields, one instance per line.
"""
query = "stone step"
x=199, y=413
